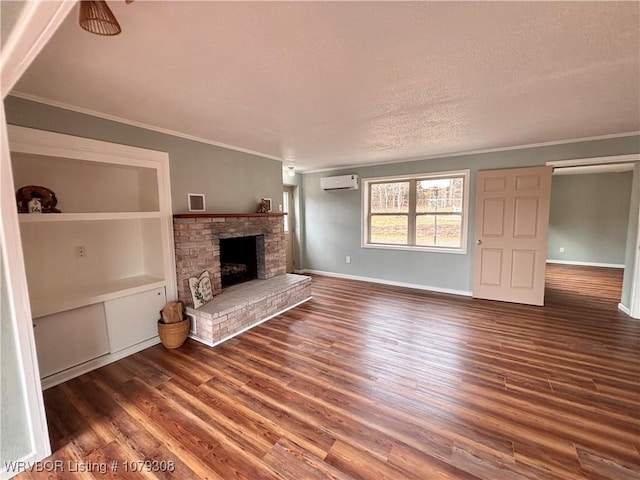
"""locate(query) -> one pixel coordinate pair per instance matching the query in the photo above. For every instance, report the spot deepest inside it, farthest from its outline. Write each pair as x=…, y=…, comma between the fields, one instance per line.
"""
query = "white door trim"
x=33, y=29
x=634, y=301
x=576, y=162
x=21, y=312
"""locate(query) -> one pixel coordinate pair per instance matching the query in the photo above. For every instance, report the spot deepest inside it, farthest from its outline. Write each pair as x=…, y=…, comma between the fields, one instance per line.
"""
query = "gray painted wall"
x=332, y=220
x=632, y=235
x=233, y=182
x=589, y=217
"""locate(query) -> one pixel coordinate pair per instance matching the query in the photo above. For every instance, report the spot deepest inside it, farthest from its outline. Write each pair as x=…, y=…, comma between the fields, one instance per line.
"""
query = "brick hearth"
x=246, y=305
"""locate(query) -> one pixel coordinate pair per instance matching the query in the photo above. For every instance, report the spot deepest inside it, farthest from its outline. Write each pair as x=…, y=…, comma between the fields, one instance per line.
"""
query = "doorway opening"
x=588, y=232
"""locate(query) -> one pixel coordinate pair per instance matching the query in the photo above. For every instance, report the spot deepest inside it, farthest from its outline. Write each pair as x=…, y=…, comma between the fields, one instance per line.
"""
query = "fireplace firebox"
x=238, y=260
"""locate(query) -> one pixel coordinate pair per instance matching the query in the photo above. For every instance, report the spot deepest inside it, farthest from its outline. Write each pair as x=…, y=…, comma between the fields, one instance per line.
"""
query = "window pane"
x=439, y=230
x=390, y=229
x=439, y=195
x=390, y=197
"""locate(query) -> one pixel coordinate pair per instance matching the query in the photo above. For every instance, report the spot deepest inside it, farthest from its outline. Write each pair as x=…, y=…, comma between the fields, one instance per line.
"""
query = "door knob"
x=478, y=242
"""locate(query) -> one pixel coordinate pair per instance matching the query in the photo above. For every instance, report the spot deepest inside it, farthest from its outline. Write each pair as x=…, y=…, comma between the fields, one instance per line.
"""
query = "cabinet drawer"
x=69, y=338
x=133, y=319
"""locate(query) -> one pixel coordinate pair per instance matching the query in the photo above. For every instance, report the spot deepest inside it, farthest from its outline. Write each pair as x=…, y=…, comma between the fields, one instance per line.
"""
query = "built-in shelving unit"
x=106, y=259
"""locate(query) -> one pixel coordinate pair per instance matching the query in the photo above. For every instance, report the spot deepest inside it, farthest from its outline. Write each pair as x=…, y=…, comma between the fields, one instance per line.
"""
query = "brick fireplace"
x=197, y=243
x=242, y=306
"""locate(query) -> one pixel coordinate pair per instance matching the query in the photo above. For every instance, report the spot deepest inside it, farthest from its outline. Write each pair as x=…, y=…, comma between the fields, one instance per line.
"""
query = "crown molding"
x=471, y=152
x=146, y=126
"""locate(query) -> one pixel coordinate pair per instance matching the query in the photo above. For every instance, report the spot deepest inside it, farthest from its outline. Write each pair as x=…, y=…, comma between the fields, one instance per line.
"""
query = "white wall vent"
x=341, y=182
x=196, y=202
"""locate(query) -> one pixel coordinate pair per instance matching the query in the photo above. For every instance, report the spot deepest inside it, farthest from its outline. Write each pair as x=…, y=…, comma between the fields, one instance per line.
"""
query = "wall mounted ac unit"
x=341, y=182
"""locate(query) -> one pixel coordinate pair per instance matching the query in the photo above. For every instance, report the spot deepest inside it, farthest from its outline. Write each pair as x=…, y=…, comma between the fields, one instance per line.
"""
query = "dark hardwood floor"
x=376, y=382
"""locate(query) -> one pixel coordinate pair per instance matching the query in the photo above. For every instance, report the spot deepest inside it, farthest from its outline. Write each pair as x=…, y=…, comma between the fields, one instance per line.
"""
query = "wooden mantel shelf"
x=219, y=215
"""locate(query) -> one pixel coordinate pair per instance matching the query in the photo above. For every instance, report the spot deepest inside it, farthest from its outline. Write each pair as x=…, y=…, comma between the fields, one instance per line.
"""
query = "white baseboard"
x=213, y=344
x=624, y=309
x=73, y=372
x=416, y=286
x=587, y=264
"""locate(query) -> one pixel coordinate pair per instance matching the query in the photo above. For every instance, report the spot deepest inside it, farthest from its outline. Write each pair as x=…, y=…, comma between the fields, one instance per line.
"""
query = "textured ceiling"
x=334, y=83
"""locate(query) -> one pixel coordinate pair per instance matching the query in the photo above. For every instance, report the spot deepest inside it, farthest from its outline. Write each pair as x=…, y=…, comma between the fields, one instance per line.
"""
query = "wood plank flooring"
x=376, y=382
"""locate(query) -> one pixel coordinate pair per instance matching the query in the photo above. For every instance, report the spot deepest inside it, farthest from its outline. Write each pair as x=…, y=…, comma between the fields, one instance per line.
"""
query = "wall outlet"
x=81, y=251
x=279, y=208
x=347, y=259
x=561, y=249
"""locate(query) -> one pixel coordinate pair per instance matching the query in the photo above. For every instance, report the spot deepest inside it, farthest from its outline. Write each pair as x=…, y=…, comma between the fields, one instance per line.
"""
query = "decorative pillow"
x=201, y=289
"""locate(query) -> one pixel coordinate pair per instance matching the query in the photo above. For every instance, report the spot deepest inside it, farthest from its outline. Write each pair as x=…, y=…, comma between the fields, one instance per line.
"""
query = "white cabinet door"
x=133, y=319
x=69, y=338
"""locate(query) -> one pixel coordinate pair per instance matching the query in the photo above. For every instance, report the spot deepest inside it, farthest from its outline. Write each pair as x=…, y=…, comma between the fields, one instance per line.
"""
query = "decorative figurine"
x=35, y=204
x=36, y=199
x=263, y=207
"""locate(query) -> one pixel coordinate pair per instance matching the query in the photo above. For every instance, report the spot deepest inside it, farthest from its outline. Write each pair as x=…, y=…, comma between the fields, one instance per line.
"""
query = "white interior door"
x=512, y=219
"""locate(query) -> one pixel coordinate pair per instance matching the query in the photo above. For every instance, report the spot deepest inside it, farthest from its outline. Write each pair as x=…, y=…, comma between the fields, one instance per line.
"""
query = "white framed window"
x=425, y=212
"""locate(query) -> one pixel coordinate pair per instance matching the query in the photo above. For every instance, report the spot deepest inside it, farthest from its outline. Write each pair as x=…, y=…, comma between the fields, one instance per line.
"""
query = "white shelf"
x=83, y=217
x=60, y=302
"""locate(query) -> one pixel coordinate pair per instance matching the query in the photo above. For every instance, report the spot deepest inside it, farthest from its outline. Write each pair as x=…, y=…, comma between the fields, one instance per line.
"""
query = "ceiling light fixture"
x=96, y=17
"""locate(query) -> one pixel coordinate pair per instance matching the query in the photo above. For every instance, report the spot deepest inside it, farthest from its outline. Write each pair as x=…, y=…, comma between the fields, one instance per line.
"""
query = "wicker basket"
x=173, y=335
